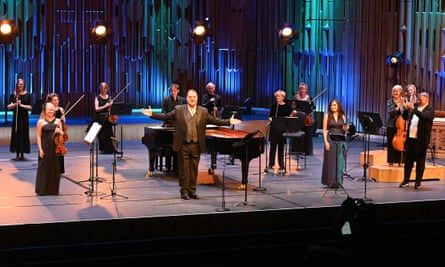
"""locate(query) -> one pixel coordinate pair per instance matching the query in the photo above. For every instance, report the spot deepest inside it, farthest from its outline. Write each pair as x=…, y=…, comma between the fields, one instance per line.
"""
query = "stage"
x=128, y=216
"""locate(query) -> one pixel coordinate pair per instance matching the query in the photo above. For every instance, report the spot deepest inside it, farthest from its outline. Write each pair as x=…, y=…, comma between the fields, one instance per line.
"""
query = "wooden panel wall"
x=342, y=47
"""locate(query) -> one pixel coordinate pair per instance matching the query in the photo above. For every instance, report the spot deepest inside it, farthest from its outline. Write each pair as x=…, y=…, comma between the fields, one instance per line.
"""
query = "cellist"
x=394, y=107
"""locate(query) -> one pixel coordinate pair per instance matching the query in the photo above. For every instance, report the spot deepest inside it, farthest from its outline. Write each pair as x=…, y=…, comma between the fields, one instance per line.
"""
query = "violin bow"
x=121, y=91
x=73, y=105
x=319, y=94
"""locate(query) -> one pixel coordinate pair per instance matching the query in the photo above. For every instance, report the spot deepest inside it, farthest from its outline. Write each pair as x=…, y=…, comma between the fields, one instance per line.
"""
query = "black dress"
x=48, y=167
x=106, y=132
x=20, y=142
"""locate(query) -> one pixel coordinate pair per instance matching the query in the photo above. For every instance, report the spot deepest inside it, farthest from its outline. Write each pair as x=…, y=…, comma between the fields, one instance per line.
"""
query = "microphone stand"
x=16, y=110
x=223, y=189
x=365, y=162
x=113, y=187
x=244, y=171
x=260, y=148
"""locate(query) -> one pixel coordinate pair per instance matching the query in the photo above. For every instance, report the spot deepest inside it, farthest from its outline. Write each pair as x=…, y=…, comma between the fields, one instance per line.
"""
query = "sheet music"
x=92, y=133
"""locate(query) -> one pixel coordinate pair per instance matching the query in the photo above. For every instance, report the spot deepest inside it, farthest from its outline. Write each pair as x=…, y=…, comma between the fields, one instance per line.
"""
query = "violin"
x=309, y=121
x=59, y=140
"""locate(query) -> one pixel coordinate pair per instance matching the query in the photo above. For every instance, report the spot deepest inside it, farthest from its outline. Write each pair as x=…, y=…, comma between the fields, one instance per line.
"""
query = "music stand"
x=370, y=122
x=89, y=139
x=303, y=106
x=228, y=111
x=120, y=108
x=293, y=131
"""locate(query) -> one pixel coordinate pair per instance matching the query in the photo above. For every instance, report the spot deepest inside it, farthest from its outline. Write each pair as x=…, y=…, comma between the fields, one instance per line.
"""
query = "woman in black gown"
x=20, y=102
x=48, y=166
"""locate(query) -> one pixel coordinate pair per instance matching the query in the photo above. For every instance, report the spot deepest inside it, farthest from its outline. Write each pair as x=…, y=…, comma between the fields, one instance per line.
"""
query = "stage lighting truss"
x=100, y=32
x=395, y=59
x=287, y=34
x=8, y=31
x=200, y=31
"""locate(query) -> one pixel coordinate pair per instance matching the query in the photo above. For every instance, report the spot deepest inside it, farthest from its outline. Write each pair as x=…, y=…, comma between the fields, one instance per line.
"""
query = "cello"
x=398, y=141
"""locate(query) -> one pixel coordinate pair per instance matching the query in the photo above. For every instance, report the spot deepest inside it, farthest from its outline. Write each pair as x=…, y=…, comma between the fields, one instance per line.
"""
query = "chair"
x=295, y=133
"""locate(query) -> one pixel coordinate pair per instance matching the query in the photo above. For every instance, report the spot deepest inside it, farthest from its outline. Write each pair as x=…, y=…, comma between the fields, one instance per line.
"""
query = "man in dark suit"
x=190, y=139
x=420, y=122
x=211, y=100
x=168, y=104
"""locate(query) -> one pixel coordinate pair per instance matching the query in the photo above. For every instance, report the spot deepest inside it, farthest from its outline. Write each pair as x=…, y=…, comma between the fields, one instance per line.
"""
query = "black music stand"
x=228, y=111
x=90, y=138
x=371, y=123
x=303, y=106
x=245, y=142
x=120, y=108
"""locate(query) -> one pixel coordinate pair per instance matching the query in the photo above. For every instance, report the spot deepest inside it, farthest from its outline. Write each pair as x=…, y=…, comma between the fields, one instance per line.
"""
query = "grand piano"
x=241, y=145
x=158, y=140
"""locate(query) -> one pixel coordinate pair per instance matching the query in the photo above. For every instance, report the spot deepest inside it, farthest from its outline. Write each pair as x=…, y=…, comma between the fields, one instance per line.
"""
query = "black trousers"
x=413, y=155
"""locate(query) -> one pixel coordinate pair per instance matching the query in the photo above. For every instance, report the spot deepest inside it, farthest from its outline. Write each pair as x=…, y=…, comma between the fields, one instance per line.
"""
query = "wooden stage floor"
x=129, y=205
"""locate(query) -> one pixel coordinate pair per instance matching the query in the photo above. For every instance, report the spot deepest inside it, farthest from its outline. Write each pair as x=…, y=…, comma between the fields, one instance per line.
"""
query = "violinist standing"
x=60, y=114
x=306, y=144
x=102, y=106
x=420, y=122
x=394, y=107
x=48, y=129
x=20, y=103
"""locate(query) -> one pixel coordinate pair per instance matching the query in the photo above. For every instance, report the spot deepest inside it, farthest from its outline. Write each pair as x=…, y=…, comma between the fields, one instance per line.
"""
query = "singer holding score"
x=189, y=140
x=334, y=137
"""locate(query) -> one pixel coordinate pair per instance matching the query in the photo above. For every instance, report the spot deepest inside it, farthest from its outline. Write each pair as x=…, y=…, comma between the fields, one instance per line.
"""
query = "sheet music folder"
x=92, y=133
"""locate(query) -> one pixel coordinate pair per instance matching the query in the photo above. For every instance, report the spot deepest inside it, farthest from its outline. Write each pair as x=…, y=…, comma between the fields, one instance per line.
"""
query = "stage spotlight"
x=100, y=32
x=394, y=59
x=287, y=34
x=8, y=31
x=200, y=31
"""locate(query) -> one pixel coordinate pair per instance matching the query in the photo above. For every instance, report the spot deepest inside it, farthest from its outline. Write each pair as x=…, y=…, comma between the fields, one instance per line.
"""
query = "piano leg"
x=212, y=162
